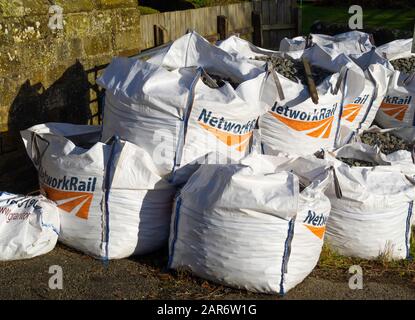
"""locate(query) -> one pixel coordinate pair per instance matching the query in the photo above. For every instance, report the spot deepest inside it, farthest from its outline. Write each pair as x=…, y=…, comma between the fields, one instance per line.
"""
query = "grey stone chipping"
x=387, y=143
x=294, y=69
x=406, y=65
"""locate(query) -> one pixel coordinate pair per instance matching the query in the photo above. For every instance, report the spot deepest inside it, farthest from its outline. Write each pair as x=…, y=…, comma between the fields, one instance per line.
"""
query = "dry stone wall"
x=50, y=58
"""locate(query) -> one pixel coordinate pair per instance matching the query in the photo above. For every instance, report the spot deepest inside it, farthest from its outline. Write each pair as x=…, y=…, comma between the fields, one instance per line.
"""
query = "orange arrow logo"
x=351, y=111
x=238, y=141
x=71, y=201
x=316, y=129
x=396, y=111
x=318, y=231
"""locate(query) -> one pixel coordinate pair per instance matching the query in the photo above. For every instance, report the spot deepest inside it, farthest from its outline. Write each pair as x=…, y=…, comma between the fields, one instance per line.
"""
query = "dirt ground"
x=145, y=278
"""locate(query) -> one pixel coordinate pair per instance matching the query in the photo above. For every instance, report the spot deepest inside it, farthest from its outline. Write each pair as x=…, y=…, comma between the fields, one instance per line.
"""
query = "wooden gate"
x=278, y=19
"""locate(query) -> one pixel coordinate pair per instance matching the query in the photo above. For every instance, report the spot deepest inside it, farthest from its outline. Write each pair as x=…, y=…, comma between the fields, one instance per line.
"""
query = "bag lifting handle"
x=36, y=154
x=337, y=189
x=280, y=91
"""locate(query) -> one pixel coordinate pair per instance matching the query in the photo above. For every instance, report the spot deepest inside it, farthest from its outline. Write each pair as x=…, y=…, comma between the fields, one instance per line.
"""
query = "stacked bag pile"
x=225, y=154
x=172, y=114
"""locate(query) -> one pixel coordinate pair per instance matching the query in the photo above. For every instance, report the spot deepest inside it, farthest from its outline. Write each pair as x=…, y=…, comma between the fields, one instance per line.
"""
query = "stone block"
x=97, y=44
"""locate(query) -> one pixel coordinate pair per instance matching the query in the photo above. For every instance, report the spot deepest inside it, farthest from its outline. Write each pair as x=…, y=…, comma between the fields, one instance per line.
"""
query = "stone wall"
x=49, y=75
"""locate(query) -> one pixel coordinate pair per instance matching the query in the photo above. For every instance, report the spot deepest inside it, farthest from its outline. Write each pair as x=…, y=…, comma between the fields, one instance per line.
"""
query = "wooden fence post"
x=298, y=17
x=256, y=5
x=222, y=27
x=257, y=25
x=372, y=39
x=158, y=36
x=310, y=81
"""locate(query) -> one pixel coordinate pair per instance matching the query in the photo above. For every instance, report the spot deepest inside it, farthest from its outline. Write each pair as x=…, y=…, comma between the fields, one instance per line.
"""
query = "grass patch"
x=402, y=19
x=209, y=3
x=147, y=10
x=332, y=261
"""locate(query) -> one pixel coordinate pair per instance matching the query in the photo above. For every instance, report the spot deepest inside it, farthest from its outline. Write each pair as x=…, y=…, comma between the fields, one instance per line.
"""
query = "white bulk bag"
x=145, y=105
x=396, y=49
x=328, y=58
x=398, y=106
x=248, y=225
x=331, y=59
x=351, y=42
x=294, y=44
x=242, y=49
x=323, y=56
x=113, y=201
x=359, y=114
x=296, y=125
x=192, y=50
x=357, y=91
x=174, y=116
x=29, y=226
x=374, y=215
x=368, y=71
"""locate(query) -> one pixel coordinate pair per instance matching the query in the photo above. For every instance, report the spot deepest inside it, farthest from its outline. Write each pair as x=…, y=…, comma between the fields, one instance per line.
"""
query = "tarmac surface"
x=145, y=278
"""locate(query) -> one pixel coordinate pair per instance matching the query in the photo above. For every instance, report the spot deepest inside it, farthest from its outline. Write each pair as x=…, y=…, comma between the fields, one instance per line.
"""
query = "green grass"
x=147, y=10
x=207, y=3
x=402, y=19
x=198, y=3
x=330, y=260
